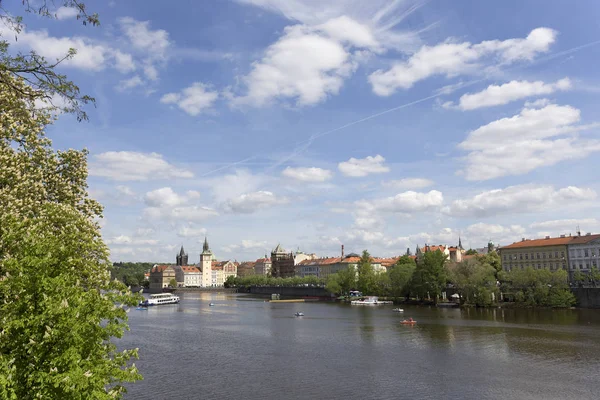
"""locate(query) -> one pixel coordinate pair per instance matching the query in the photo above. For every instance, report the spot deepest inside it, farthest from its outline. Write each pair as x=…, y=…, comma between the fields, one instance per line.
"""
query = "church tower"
x=182, y=257
x=206, y=264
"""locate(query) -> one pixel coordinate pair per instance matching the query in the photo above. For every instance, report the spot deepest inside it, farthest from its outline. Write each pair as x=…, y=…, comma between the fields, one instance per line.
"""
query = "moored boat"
x=160, y=299
x=369, y=301
x=398, y=310
x=299, y=314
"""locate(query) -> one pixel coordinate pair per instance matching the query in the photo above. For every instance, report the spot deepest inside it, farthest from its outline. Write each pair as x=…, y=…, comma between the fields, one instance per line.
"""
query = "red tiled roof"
x=189, y=268
x=434, y=248
x=539, y=243
x=584, y=239
x=386, y=262
x=262, y=260
x=160, y=268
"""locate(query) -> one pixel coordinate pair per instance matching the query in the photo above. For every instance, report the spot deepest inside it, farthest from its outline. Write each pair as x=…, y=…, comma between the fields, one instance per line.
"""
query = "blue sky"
x=379, y=125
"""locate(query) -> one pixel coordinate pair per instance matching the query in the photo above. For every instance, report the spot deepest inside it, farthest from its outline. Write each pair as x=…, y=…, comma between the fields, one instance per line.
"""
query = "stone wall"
x=300, y=291
x=587, y=297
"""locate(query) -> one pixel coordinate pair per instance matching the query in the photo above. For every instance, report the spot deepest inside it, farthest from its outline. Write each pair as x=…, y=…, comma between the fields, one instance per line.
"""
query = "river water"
x=245, y=348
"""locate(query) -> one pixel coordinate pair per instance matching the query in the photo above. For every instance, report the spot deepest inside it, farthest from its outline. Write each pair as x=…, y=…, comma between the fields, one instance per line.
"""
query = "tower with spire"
x=206, y=264
x=182, y=257
x=460, y=246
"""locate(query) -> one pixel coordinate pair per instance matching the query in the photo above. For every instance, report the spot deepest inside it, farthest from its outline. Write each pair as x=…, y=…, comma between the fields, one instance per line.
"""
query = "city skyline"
x=378, y=126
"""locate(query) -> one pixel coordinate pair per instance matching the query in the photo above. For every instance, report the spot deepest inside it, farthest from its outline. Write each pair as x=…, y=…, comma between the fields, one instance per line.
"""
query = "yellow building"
x=548, y=253
x=161, y=276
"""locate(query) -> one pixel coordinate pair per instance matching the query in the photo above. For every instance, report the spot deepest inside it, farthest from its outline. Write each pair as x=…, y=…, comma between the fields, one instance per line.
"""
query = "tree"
x=333, y=284
x=400, y=276
x=43, y=83
x=230, y=281
x=347, y=279
x=471, y=252
x=366, y=275
x=493, y=259
x=475, y=281
x=59, y=309
x=430, y=275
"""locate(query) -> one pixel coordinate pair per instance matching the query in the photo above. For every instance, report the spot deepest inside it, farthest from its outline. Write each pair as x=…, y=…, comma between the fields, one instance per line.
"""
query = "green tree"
x=173, y=283
x=493, y=259
x=471, y=252
x=333, y=284
x=347, y=279
x=59, y=308
x=430, y=275
x=400, y=276
x=366, y=275
x=475, y=281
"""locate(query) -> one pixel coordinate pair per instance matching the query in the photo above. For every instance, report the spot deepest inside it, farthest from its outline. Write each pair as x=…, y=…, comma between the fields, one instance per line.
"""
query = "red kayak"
x=407, y=322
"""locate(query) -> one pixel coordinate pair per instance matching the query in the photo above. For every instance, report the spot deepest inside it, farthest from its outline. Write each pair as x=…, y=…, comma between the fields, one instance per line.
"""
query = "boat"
x=160, y=299
x=299, y=314
x=211, y=304
x=370, y=301
x=408, y=322
x=141, y=308
x=398, y=310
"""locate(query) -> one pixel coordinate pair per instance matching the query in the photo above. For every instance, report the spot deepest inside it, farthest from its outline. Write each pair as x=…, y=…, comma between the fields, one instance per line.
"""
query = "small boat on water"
x=369, y=301
x=299, y=314
x=409, y=321
x=398, y=310
x=211, y=304
x=160, y=299
x=141, y=308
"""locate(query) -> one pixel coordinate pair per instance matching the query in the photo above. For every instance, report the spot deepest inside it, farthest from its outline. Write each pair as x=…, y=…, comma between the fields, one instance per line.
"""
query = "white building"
x=205, y=265
x=584, y=253
x=188, y=276
x=262, y=266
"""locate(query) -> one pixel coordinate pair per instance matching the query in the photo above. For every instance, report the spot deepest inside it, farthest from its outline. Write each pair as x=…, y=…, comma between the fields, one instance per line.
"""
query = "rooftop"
x=549, y=241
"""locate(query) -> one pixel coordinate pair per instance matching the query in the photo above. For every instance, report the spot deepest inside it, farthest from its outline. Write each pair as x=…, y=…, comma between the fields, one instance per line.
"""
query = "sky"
x=379, y=125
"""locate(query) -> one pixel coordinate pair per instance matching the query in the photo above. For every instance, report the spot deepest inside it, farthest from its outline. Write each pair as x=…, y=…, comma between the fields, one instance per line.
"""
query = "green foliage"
x=267, y=280
x=130, y=273
x=230, y=281
x=333, y=284
x=540, y=287
x=173, y=283
x=475, y=281
x=400, y=276
x=493, y=259
x=59, y=309
x=366, y=282
x=430, y=275
x=471, y=252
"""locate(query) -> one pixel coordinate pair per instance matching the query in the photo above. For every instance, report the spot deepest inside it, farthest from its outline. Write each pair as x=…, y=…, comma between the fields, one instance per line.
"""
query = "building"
x=181, y=258
x=246, y=268
x=584, y=253
x=301, y=256
x=221, y=270
x=205, y=265
x=323, y=267
x=161, y=276
x=188, y=276
x=282, y=263
x=548, y=253
x=262, y=266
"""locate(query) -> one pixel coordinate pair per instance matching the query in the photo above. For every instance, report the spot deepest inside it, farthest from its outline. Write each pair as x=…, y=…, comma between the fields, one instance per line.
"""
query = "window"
x=544, y=256
x=538, y=256
x=505, y=257
x=544, y=265
x=539, y=266
x=527, y=256
x=579, y=253
x=556, y=254
x=562, y=254
x=520, y=256
x=580, y=265
x=585, y=253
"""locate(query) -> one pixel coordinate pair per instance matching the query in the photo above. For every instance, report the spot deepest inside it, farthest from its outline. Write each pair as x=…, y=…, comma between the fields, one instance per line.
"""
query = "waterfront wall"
x=299, y=291
x=587, y=297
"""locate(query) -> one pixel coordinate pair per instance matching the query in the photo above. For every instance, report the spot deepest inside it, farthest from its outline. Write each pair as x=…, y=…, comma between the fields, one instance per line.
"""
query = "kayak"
x=405, y=322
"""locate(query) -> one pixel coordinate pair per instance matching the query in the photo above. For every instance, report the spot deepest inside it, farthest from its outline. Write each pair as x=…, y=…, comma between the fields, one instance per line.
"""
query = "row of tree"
x=131, y=273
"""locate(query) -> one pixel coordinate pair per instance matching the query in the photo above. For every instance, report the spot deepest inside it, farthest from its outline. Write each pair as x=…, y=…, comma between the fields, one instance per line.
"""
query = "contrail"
x=305, y=144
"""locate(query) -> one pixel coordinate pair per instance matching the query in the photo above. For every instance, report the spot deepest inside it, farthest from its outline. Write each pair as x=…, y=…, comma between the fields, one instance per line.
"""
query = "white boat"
x=299, y=314
x=211, y=304
x=398, y=310
x=160, y=299
x=369, y=301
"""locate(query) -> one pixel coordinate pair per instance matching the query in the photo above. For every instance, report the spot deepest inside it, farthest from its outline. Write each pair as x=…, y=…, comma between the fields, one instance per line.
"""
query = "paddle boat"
x=409, y=321
x=299, y=314
x=211, y=304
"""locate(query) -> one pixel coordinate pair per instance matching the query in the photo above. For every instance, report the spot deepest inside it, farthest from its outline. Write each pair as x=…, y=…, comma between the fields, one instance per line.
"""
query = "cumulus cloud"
x=453, y=59
x=362, y=167
x=66, y=13
x=246, y=244
x=130, y=83
x=122, y=239
x=518, y=199
x=134, y=166
x=532, y=139
x=249, y=203
x=407, y=202
x=188, y=231
x=495, y=95
x=142, y=37
x=408, y=183
x=166, y=197
x=194, y=99
x=308, y=174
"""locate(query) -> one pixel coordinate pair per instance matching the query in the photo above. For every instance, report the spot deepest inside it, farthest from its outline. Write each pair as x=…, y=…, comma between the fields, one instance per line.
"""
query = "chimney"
x=562, y=236
x=547, y=237
x=342, y=252
x=588, y=234
x=522, y=239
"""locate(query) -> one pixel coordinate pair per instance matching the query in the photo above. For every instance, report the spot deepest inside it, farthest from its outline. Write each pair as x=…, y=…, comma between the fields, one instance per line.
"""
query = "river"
x=244, y=348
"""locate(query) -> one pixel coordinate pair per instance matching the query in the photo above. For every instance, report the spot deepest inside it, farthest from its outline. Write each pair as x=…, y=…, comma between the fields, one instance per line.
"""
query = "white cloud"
x=565, y=224
x=130, y=83
x=539, y=103
x=187, y=231
x=407, y=202
x=308, y=174
x=495, y=95
x=234, y=185
x=189, y=213
x=166, y=197
x=124, y=61
x=66, y=13
x=122, y=239
x=345, y=29
x=362, y=167
x=454, y=59
x=154, y=42
x=408, y=183
x=193, y=100
x=517, y=199
x=251, y=202
x=134, y=166
x=302, y=65
x=524, y=142
x=247, y=244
